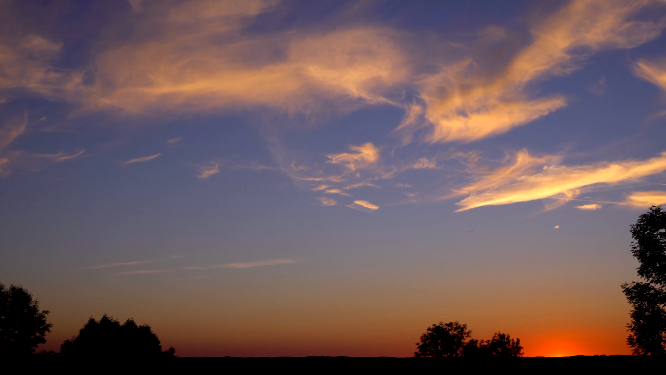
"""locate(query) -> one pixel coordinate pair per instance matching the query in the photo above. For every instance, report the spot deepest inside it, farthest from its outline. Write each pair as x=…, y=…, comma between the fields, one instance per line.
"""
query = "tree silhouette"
x=501, y=345
x=443, y=340
x=454, y=340
x=22, y=325
x=107, y=338
x=647, y=330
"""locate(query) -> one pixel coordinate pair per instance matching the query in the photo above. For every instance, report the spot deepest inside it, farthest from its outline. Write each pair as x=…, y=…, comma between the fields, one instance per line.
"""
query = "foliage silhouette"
x=443, y=340
x=500, y=345
x=454, y=340
x=22, y=325
x=107, y=338
x=647, y=330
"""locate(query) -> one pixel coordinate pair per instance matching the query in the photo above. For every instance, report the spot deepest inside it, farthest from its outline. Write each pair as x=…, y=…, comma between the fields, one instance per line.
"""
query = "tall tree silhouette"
x=647, y=330
x=22, y=325
x=107, y=338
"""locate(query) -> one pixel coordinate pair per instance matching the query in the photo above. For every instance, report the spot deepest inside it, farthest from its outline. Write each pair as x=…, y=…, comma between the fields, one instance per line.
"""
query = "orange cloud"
x=27, y=63
x=195, y=58
x=652, y=71
x=363, y=206
x=590, y=207
x=425, y=163
x=524, y=181
x=361, y=157
x=644, y=199
x=326, y=201
x=336, y=191
x=462, y=103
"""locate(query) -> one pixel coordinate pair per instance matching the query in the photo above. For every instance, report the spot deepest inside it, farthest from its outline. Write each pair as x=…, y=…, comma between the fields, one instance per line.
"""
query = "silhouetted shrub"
x=500, y=345
x=647, y=330
x=443, y=340
x=454, y=340
x=22, y=325
x=109, y=339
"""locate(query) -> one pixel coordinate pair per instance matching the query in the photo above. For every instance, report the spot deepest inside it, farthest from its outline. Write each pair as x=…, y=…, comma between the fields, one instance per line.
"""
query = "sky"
x=292, y=178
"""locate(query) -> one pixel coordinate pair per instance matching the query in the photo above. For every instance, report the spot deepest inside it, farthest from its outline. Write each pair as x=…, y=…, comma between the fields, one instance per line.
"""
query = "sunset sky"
x=291, y=178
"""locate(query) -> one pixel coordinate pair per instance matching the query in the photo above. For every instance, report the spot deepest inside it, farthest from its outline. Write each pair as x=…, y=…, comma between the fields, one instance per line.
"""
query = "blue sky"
x=349, y=165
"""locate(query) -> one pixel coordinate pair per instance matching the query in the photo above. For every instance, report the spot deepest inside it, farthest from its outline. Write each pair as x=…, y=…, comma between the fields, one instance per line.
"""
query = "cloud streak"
x=530, y=178
x=644, y=199
x=141, y=272
x=142, y=159
x=260, y=263
x=364, y=206
x=122, y=264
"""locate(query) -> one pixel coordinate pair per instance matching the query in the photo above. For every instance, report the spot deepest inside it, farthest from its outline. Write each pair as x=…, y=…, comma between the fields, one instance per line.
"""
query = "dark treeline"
x=455, y=340
x=23, y=326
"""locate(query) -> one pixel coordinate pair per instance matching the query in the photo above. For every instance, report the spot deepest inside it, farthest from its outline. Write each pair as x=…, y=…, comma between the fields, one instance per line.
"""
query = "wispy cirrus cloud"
x=364, y=206
x=590, y=207
x=26, y=63
x=206, y=171
x=652, y=71
x=142, y=272
x=359, y=157
x=425, y=163
x=644, y=199
x=173, y=141
x=260, y=263
x=11, y=160
x=121, y=264
x=528, y=178
x=12, y=130
x=336, y=191
x=323, y=201
x=142, y=159
x=466, y=101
